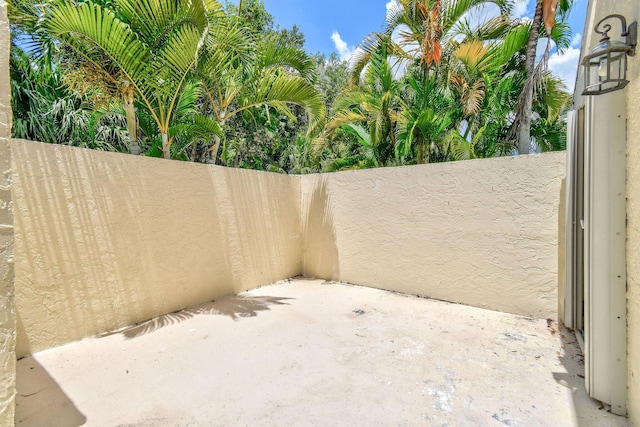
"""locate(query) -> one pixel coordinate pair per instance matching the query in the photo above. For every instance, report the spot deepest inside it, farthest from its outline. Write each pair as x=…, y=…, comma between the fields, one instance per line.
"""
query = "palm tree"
x=425, y=29
x=447, y=57
x=426, y=123
x=190, y=134
x=561, y=35
x=548, y=129
x=240, y=71
x=365, y=157
x=374, y=103
x=149, y=49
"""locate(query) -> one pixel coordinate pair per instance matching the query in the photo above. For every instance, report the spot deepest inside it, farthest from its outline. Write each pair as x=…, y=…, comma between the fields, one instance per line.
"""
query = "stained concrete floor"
x=308, y=352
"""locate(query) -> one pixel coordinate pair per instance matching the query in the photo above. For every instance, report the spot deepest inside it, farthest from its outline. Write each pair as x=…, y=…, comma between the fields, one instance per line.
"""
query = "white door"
x=596, y=270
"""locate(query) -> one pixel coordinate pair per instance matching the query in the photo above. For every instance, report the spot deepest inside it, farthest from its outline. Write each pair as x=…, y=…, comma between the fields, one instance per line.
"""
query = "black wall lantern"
x=605, y=68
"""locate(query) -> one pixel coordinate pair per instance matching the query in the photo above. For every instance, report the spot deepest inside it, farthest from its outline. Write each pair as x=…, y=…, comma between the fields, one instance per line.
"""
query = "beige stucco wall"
x=633, y=223
x=104, y=240
x=479, y=232
x=7, y=314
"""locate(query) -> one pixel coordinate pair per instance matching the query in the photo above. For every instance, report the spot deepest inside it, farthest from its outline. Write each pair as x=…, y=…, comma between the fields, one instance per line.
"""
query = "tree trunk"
x=132, y=124
x=524, y=127
x=165, y=146
x=213, y=151
x=421, y=152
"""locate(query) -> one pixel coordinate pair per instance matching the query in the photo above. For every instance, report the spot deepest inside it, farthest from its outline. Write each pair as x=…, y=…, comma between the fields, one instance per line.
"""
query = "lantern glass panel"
x=605, y=68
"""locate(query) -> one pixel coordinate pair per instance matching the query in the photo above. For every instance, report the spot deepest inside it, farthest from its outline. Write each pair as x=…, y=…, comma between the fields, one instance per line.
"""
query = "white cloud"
x=542, y=46
x=576, y=41
x=391, y=4
x=343, y=49
x=478, y=15
x=565, y=66
x=519, y=8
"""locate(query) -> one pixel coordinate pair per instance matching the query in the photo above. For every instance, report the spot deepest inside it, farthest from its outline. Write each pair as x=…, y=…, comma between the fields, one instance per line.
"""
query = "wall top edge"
x=457, y=163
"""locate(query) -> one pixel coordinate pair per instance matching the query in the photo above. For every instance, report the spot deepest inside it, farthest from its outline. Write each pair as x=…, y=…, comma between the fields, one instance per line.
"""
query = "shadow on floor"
x=39, y=399
x=239, y=306
x=235, y=307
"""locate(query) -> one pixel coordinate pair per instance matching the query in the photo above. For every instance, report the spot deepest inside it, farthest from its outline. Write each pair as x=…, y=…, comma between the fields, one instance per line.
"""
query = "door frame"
x=600, y=124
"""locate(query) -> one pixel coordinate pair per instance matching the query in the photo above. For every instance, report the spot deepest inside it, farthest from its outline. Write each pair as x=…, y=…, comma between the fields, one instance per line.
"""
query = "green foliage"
x=332, y=77
x=459, y=91
x=253, y=14
x=260, y=89
x=44, y=110
x=194, y=81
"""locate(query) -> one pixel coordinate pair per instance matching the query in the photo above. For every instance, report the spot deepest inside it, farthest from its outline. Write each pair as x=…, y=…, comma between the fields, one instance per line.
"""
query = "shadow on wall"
x=106, y=240
x=320, y=246
x=262, y=238
x=235, y=307
x=39, y=399
x=98, y=243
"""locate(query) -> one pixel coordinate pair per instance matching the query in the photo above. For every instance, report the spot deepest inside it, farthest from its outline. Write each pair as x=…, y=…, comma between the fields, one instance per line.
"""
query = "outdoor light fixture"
x=605, y=68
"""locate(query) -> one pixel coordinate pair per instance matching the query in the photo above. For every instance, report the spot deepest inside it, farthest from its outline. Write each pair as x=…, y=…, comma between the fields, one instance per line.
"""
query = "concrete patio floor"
x=309, y=352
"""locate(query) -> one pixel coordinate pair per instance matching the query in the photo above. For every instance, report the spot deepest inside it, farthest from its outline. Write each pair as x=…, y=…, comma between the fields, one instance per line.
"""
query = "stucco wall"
x=633, y=224
x=480, y=232
x=104, y=240
x=7, y=315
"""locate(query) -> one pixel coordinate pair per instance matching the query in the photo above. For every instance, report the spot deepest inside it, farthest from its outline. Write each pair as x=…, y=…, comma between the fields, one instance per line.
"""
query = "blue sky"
x=340, y=25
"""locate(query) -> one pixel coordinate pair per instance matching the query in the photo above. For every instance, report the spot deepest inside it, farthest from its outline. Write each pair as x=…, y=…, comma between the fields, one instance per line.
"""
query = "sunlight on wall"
x=107, y=240
x=481, y=232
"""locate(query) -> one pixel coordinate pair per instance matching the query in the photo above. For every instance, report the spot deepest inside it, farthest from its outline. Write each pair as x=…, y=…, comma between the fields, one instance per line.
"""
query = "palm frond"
x=72, y=24
x=274, y=53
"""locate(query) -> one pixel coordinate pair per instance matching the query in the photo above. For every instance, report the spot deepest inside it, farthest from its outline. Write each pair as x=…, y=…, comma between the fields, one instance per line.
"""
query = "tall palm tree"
x=425, y=28
x=544, y=17
x=149, y=48
x=497, y=122
x=448, y=56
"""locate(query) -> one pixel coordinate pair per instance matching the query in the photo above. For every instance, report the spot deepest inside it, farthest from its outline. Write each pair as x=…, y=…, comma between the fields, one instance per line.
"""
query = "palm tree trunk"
x=524, y=128
x=468, y=129
x=213, y=151
x=165, y=146
x=132, y=124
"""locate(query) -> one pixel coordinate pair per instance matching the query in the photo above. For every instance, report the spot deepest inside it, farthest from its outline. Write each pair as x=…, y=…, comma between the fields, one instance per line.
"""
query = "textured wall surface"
x=105, y=240
x=479, y=232
x=7, y=314
x=633, y=226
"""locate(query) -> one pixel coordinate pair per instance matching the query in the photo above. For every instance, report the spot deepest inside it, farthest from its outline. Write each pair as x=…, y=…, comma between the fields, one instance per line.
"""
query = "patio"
x=311, y=352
